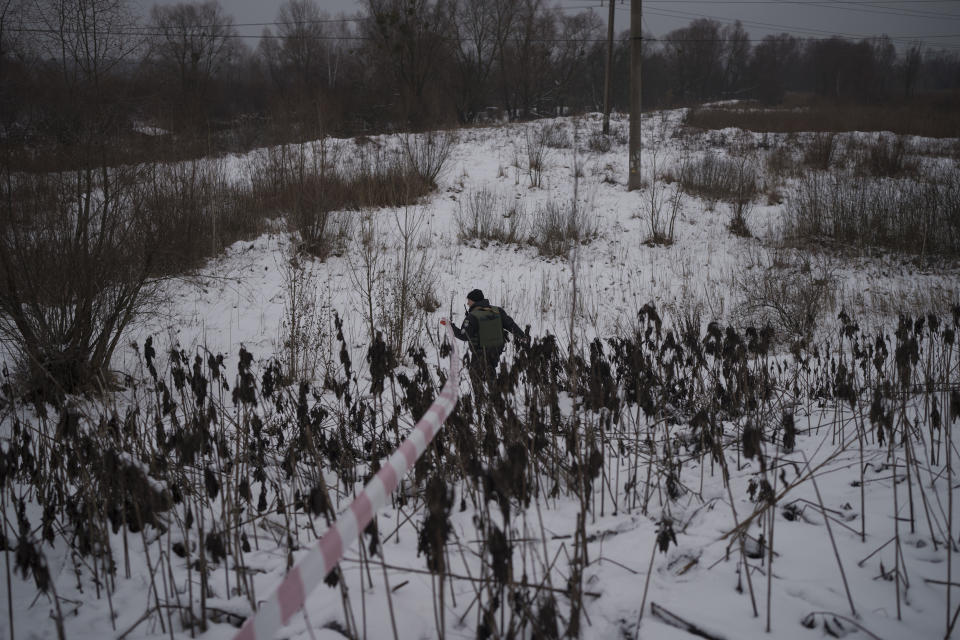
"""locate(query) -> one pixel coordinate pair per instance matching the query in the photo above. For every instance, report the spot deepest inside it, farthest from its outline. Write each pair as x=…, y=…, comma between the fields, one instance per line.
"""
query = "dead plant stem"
x=833, y=542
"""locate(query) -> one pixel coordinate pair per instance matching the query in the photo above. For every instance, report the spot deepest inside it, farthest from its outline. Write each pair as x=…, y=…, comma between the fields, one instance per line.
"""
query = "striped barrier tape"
x=289, y=597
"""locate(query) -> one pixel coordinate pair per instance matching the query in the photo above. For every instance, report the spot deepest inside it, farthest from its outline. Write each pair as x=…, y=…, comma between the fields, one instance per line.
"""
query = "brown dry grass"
x=933, y=116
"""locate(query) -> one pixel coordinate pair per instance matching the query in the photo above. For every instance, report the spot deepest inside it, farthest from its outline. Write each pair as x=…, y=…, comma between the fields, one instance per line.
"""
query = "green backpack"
x=489, y=327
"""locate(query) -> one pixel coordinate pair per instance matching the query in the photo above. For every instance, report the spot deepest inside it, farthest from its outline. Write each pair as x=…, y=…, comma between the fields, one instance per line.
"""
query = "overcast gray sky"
x=934, y=22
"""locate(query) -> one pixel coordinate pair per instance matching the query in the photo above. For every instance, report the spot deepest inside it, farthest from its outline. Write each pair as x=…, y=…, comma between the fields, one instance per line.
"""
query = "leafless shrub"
x=708, y=178
x=774, y=195
x=367, y=271
x=820, y=151
x=608, y=173
x=476, y=215
x=738, y=225
x=379, y=177
x=413, y=284
x=700, y=300
x=428, y=153
x=396, y=291
x=884, y=156
x=744, y=189
x=535, y=149
x=76, y=253
x=557, y=227
x=306, y=332
x=934, y=117
x=689, y=316
x=787, y=292
x=308, y=182
x=485, y=217
x=370, y=176
x=83, y=248
x=780, y=163
x=194, y=212
x=598, y=142
x=620, y=132
x=300, y=182
x=714, y=177
x=662, y=202
x=903, y=215
x=555, y=135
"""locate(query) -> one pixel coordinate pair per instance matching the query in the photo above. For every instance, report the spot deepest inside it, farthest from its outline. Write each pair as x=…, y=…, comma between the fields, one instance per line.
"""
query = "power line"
x=835, y=4
x=147, y=30
x=144, y=33
x=856, y=6
x=822, y=33
x=861, y=6
x=798, y=2
x=806, y=33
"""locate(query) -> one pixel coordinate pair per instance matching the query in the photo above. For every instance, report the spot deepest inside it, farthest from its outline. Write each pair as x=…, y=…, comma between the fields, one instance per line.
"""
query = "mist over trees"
x=74, y=69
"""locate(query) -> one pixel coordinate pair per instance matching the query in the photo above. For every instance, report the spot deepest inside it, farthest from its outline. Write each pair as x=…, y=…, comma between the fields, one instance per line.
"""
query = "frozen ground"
x=243, y=299
x=239, y=299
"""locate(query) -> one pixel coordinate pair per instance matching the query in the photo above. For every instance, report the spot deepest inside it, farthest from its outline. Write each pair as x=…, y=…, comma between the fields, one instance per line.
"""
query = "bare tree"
x=882, y=66
x=527, y=62
x=74, y=264
x=307, y=52
x=473, y=25
x=11, y=21
x=193, y=42
x=86, y=38
x=11, y=45
x=910, y=68
x=84, y=44
x=736, y=59
x=774, y=61
x=75, y=246
x=576, y=33
x=695, y=53
x=407, y=38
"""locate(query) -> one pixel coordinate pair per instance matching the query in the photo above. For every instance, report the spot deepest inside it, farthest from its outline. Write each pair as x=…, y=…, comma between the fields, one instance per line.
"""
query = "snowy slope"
x=239, y=299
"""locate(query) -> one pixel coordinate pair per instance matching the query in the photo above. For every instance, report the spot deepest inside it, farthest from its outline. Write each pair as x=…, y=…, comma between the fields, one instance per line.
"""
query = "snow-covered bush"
x=396, y=288
x=780, y=163
x=80, y=252
x=195, y=211
x=428, y=153
x=535, y=139
x=306, y=328
x=716, y=177
x=788, y=292
x=306, y=182
x=598, y=142
x=483, y=216
x=820, y=151
x=555, y=135
x=557, y=226
x=662, y=202
x=921, y=218
x=883, y=156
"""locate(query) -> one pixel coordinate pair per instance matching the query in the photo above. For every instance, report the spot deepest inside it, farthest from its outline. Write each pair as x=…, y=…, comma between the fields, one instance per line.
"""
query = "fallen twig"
x=672, y=619
x=812, y=614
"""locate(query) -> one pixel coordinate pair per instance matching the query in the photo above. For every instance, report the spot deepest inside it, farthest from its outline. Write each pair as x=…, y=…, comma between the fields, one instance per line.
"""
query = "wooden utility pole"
x=636, y=97
x=606, y=80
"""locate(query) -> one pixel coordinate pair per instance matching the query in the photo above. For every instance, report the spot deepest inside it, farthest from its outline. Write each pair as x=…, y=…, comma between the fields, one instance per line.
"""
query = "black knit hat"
x=476, y=295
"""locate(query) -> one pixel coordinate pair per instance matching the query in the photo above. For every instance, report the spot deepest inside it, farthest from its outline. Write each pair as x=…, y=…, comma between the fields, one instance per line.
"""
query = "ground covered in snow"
x=650, y=488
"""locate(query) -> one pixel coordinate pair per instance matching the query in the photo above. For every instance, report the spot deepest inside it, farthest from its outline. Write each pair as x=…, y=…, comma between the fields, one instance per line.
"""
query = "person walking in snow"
x=484, y=328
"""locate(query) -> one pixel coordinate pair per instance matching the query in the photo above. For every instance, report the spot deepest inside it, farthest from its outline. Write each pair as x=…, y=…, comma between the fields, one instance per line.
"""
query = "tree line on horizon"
x=74, y=69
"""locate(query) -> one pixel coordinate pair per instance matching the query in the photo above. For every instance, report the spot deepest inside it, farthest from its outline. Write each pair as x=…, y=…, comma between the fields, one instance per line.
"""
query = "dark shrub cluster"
x=214, y=463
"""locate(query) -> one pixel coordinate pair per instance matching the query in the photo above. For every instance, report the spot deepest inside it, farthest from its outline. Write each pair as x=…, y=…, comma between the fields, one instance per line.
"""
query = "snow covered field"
x=876, y=517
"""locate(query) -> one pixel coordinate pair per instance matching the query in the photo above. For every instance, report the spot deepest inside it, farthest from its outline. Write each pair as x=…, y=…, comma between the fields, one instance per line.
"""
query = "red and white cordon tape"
x=311, y=570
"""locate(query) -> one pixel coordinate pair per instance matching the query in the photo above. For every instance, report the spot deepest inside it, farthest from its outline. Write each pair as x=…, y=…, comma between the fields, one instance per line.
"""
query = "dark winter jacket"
x=469, y=331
